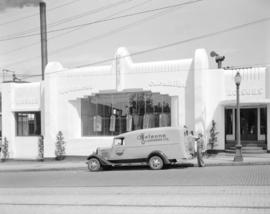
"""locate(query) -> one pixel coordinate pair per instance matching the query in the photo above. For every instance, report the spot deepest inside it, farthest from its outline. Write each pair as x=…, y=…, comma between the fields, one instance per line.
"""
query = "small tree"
x=4, y=150
x=60, y=146
x=41, y=148
x=213, y=135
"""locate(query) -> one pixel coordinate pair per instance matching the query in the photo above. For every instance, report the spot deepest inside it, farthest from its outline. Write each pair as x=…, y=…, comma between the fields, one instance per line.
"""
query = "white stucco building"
x=92, y=104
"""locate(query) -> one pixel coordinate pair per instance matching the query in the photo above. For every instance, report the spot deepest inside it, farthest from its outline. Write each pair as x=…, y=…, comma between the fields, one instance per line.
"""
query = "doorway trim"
x=232, y=136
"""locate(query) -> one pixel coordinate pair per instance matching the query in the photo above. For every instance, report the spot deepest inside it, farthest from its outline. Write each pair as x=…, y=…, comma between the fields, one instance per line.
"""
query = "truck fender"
x=161, y=154
x=103, y=161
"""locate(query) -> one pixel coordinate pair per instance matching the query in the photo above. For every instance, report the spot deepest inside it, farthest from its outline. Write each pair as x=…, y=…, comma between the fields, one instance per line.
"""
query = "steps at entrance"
x=253, y=149
x=247, y=151
x=251, y=145
x=248, y=147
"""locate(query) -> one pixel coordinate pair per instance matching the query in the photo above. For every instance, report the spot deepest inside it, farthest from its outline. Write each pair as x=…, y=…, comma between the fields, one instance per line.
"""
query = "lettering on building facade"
x=27, y=101
x=246, y=92
x=253, y=83
x=75, y=89
x=175, y=84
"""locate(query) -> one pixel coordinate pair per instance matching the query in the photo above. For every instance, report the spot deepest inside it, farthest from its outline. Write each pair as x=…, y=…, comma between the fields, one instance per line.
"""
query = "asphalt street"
x=232, y=189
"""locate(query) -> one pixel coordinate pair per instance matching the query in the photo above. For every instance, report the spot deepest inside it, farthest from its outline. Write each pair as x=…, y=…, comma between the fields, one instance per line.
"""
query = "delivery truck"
x=157, y=147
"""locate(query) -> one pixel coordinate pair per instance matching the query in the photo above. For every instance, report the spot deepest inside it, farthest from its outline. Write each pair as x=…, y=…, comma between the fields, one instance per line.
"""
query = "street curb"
x=239, y=164
x=45, y=169
x=85, y=167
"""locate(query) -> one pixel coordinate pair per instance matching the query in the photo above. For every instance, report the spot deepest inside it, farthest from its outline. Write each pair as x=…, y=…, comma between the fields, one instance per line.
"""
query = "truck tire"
x=156, y=162
x=94, y=165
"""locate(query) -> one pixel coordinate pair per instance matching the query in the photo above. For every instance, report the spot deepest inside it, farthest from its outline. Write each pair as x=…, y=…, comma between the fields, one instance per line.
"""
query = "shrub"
x=60, y=146
x=4, y=150
x=213, y=135
x=41, y=148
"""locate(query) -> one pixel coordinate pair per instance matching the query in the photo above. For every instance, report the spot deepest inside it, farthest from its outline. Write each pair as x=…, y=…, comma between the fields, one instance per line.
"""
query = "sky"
x=83, y=32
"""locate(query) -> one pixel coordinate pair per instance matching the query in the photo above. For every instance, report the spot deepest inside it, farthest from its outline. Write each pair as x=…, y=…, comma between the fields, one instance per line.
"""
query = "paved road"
x=243, y=189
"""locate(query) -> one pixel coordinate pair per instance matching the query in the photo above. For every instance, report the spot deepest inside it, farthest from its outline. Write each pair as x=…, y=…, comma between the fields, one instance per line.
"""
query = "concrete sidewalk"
x=79, y=163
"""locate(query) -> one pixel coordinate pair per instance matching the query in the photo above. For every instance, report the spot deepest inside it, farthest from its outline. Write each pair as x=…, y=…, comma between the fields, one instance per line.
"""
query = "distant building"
x=90, y=105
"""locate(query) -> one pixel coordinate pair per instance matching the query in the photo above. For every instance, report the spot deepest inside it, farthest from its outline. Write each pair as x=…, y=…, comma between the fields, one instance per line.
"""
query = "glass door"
x=253, y=124
x=229, y=124
x=249, y=124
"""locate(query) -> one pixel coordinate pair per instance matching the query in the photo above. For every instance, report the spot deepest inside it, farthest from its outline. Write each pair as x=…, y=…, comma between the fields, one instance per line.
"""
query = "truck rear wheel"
x=94, y=165
x=156, y=162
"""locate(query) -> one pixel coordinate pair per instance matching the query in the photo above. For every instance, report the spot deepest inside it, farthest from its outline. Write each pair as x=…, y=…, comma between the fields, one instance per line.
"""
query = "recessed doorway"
x=248, y=123
x=253, y=125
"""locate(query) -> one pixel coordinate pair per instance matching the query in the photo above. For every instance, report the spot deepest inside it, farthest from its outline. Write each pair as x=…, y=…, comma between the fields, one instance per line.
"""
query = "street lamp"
x=238, y=153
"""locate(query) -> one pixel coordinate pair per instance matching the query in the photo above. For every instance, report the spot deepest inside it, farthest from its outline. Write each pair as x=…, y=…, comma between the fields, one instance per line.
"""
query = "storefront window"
x=112, y=114
x=263, y=120
x=28, y=123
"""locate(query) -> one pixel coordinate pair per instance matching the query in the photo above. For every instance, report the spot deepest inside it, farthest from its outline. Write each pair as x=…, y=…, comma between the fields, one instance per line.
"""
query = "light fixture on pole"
x=238, y=153
x=219, y=59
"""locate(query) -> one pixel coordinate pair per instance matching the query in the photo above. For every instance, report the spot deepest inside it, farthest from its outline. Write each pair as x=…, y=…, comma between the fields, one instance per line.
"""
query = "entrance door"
x=253, y=126
x=248, y=123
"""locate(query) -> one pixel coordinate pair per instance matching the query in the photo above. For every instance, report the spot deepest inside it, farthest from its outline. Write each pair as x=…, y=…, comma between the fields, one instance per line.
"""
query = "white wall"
x=25, y=147
x=64, y=88
x=220, y=92
x=198, y=94
x=8, y=120
x=19, y=97
x=214, y=87
x=200, y=74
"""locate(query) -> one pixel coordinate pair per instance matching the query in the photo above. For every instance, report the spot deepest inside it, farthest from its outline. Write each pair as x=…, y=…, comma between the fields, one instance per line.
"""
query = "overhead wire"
x=168, y=45
x=87, y=13
x=177, y=42
x=34, y=57
x=35, y=14
x=100, y=36
x=104, y=20
x=186, y=40
x=67, y=19
x=63, y=34
x=108, y=33
x=66, y=33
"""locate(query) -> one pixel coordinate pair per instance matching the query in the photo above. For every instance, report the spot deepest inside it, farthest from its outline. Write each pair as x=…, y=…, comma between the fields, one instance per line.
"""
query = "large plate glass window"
x=115, y=113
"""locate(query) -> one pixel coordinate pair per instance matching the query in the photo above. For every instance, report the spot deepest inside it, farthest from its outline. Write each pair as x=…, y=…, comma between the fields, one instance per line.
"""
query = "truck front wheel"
x=94, y=164
x=156, y=162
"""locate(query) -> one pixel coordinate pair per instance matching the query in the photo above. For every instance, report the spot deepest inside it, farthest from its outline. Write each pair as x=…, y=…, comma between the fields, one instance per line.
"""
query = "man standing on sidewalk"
x=200, y=148
x=0, y=146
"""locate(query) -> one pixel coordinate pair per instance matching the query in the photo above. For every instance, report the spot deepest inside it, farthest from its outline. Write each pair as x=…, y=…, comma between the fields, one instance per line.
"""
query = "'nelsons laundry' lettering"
x=145, y=138
x=246, y=92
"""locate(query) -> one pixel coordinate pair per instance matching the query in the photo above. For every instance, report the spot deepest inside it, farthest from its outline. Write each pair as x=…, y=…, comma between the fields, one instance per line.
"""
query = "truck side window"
x=119, y=142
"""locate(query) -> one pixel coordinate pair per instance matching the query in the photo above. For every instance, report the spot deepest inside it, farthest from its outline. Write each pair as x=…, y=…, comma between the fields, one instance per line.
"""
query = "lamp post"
x=238, y=153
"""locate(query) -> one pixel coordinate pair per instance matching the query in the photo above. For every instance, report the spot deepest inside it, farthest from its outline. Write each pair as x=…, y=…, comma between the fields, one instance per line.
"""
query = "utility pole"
x=43, y=37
